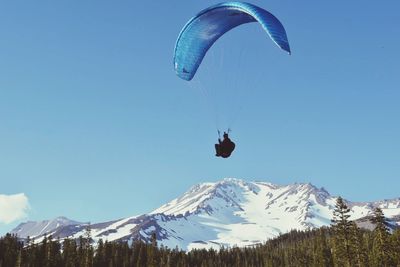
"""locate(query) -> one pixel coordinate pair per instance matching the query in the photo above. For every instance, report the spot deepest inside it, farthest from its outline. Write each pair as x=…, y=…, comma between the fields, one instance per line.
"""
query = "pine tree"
x=342, y=233
x=69, y=253
x=142, y=257
x=395, y=245
x=322, y=253
x=88, y=249
x=152, y=260
x=357, y=245
x=134, y=252
x=19, y=259
x=381, y=246
x=99, y=259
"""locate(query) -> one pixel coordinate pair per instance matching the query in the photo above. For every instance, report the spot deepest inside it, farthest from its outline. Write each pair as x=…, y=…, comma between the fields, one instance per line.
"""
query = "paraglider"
x=204, y=29
x=200, y=33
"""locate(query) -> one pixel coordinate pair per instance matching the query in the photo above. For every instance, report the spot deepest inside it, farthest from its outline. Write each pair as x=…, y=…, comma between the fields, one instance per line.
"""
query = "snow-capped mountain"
x=33, y=229
x=226, y=213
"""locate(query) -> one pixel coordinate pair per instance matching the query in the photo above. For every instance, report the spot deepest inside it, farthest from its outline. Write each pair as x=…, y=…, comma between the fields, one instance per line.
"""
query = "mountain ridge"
x=230, y=212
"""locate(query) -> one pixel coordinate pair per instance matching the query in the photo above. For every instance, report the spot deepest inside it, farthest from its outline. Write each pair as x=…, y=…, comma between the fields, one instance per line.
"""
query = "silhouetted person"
x=225, y=147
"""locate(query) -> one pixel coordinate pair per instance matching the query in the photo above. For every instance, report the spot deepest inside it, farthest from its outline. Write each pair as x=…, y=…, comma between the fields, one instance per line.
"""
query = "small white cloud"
x=13, y=207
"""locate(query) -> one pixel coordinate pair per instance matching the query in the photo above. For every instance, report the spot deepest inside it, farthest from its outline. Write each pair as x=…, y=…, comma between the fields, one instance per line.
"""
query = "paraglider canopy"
x=199, y=34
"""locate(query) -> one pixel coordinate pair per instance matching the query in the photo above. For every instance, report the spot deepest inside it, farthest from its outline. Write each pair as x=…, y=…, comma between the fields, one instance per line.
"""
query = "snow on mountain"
x=33, y=229
x=226, y=213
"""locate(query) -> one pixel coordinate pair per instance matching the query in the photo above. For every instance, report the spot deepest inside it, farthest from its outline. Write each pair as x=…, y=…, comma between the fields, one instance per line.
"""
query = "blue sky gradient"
x=95, y=125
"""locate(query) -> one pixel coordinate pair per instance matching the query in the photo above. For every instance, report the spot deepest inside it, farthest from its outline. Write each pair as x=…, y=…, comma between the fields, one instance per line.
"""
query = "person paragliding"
x=225, y=147
x=204, y=29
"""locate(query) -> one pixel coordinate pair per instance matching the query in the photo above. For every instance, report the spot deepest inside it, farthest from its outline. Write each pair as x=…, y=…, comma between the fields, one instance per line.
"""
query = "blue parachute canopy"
x=205, y=28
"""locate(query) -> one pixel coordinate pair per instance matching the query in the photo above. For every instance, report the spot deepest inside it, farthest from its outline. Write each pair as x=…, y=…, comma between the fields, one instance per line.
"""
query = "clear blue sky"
x=95, y=125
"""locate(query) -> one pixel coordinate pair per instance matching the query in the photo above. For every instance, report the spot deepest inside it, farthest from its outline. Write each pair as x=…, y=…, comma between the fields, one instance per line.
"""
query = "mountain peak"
x=229, y=212
x=198, y=196
x=37, y=228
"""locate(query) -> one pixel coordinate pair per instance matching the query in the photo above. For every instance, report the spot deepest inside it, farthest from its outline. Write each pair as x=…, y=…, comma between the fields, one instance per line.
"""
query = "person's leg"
x=217, y=150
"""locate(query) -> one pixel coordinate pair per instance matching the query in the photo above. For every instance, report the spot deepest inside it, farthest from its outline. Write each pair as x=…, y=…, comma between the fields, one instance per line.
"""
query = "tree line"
x=343, y=244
